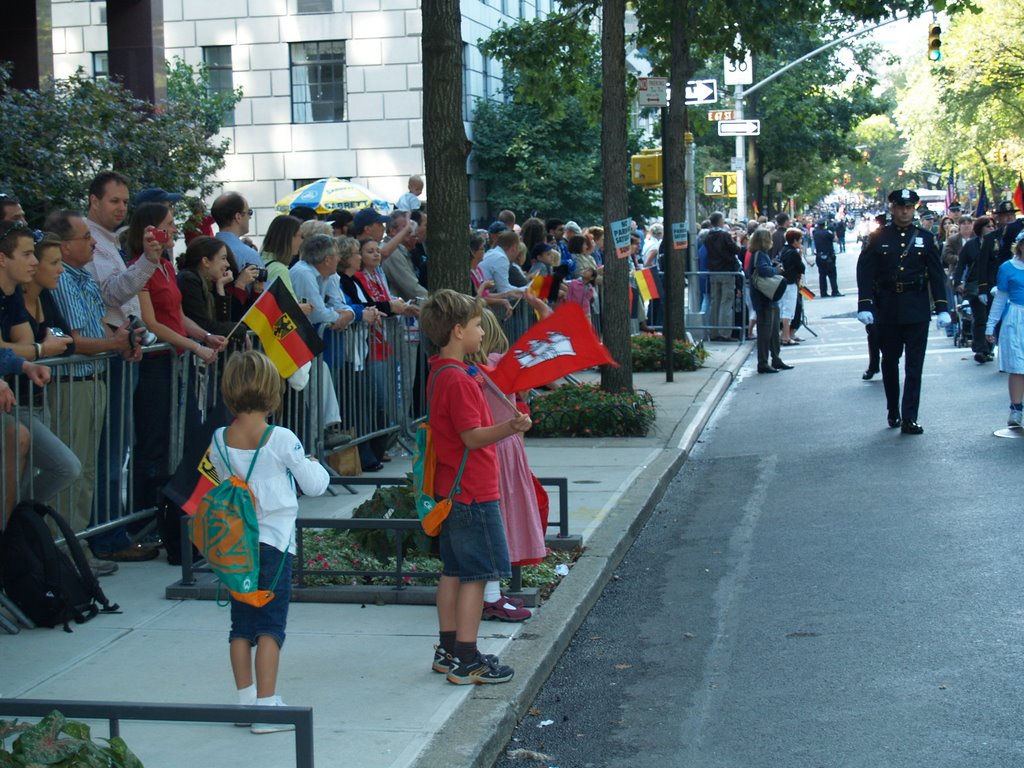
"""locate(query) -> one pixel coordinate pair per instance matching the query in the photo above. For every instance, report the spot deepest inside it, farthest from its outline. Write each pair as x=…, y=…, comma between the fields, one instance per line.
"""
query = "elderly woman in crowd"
x=315, y=280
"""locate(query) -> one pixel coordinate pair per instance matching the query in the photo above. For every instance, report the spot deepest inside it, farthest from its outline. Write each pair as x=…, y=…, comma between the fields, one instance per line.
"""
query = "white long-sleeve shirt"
x=281, y=464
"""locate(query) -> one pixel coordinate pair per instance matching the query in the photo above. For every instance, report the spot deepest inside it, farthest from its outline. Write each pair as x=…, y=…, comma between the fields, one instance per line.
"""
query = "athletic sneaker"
x=272, y=727
x=444, y=661
x=482, y=669
x=502, y=610
x=1015, y=419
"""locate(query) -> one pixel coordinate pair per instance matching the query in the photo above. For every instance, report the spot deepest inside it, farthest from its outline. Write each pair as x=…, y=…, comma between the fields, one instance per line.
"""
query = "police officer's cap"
x=955, y=208
x=904, y=197
x=924, y=212
x=1006, y=206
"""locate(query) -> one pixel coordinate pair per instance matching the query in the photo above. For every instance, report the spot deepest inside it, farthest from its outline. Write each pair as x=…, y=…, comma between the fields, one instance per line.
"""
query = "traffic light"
x=934, y=43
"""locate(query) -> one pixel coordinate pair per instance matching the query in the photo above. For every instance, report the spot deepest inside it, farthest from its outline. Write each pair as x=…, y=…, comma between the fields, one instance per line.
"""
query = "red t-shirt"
x=456, y=405
x=166, y=298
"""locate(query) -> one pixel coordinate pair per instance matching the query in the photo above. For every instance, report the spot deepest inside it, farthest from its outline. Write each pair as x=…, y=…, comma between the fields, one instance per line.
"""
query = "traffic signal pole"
x=740, y=94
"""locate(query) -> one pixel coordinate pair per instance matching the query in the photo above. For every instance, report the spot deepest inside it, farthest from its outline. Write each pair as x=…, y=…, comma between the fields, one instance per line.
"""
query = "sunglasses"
x=7, y=228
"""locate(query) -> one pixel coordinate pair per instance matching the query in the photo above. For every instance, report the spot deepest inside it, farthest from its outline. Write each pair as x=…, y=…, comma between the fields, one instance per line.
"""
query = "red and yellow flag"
x=288, y=338
x=807, y=293
x=647, y=284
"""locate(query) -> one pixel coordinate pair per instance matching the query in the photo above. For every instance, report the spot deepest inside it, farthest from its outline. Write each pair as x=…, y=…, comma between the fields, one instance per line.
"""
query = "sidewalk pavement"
x=365, y=669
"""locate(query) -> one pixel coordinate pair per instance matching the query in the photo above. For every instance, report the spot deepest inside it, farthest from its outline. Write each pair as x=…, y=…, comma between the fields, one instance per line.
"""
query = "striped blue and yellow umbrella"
x=332, y=194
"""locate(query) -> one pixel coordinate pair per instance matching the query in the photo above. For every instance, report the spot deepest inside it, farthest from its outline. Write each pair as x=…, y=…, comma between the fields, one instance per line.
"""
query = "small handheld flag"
x=647, y=284
x=560, y=344
x=288, y=338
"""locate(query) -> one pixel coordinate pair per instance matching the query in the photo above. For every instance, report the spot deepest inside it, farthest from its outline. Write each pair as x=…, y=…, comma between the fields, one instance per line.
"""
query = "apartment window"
x=100, y=66
x=493, y=85
x=218, y=64
x=314, y=6
x=318, y=81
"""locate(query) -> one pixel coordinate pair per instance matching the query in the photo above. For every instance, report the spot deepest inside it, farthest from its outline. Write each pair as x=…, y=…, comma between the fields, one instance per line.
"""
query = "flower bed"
x=649, y=353
x=585, y=410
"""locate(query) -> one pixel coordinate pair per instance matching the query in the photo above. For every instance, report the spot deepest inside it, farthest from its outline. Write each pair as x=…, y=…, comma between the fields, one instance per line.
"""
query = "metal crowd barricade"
x=740, y=283
x=78, y=436
x=115, y=712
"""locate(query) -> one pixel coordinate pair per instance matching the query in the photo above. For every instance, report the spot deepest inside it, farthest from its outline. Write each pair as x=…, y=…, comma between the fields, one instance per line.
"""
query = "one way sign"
x=701, y=91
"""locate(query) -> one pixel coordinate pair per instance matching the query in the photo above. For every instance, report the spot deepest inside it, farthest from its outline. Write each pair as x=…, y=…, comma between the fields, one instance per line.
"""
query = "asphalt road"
x=815, y=589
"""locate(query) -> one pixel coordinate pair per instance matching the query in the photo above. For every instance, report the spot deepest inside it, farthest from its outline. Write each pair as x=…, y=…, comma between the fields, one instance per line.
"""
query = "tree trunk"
x=614, y=170
x=682, y=70
x=445, y=146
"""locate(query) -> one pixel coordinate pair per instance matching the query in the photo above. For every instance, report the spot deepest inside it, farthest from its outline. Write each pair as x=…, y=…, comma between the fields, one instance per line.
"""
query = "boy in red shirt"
x=472, y=539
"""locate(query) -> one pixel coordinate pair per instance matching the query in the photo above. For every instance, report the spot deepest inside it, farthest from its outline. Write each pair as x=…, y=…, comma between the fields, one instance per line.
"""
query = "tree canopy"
x=59, y=137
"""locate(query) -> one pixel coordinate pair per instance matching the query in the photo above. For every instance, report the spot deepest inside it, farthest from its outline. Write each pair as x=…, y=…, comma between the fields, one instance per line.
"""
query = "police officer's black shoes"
x=766, y=369
x=869, y=374
x=894, y=419
x=911, y=428
x=781, y=366
x=980, y=358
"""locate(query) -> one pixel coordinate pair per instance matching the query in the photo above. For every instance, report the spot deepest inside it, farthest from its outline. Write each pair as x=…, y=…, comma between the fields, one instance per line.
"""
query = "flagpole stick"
x=498, y=392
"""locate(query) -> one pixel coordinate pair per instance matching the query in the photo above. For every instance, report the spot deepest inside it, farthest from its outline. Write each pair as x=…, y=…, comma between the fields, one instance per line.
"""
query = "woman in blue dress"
x=1009, y=306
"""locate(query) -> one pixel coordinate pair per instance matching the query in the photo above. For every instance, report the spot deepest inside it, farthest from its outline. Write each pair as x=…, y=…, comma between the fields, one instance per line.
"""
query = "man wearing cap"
x=927, y=218
x=495, y=229
x=157, y=195
x=954, y=211
x=898, y=272
x=368, y=223
x=825, y=257
x=1013, y=228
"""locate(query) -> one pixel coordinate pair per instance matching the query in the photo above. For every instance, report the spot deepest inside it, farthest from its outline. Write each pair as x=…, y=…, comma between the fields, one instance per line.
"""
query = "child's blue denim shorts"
x=473, y=545
x=249, y=622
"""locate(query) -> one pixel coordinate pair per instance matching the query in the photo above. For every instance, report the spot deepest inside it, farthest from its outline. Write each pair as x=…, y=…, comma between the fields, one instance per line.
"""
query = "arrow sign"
x=739, y=127
x=701, y=91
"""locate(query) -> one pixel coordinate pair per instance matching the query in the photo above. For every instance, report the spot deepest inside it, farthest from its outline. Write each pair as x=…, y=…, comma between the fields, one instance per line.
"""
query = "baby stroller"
x=964, y=337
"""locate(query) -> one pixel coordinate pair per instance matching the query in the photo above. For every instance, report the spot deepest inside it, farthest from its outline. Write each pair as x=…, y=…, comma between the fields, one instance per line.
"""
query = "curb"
x=477, y=731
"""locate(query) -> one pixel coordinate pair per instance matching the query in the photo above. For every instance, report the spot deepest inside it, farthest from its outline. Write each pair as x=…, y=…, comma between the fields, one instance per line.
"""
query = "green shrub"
x=649, y=353
x=55, y=741
x=585, y=410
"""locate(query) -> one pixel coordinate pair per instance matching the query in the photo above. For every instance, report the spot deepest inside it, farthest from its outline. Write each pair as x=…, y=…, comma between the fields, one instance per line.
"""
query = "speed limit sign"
x=739, y=72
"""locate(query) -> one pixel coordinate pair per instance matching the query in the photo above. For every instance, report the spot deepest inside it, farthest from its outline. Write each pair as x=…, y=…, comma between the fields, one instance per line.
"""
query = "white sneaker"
x=272, y=727
x=1015, y=419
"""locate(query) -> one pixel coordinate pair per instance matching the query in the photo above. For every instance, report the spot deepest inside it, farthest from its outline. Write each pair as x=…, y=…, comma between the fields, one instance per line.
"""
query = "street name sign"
x=701, y=92
x=714, y=115
x=739, y=127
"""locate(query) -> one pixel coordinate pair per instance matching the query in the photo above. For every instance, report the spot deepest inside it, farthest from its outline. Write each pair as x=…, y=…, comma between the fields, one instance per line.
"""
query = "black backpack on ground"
x=40, y=578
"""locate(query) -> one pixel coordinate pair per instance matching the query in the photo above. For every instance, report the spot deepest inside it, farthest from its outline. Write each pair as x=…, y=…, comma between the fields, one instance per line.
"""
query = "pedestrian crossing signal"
x=935, y=43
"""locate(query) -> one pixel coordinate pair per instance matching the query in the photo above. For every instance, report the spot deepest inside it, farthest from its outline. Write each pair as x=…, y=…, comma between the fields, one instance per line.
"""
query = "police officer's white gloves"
x=983, y=298
x=943, y=319
x=866, y=317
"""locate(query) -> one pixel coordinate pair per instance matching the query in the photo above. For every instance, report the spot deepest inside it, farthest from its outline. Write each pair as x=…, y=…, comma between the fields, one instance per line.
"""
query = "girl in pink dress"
x=520, y=510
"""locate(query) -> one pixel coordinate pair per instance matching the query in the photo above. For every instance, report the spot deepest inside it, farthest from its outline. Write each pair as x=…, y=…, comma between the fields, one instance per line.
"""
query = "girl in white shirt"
x=252, y=389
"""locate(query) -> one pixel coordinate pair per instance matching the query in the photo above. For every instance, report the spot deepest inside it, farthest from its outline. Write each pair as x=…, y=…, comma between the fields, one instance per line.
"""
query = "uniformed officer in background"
x=898, y=278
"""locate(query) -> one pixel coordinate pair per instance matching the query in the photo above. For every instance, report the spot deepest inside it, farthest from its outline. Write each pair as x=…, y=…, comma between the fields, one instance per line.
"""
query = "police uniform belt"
x=906, y=286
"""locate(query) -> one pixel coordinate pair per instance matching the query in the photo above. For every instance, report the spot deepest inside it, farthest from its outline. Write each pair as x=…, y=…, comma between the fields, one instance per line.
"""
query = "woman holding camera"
x=204, y=279
x=152, y=229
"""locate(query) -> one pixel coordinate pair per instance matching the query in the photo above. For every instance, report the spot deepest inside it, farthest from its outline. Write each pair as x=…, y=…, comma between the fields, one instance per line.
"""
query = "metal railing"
x=115, y=712
x=396, y=574
x=727, y=297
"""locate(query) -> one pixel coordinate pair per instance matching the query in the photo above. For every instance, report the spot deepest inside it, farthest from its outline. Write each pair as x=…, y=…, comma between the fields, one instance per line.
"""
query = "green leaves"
x=58, y=138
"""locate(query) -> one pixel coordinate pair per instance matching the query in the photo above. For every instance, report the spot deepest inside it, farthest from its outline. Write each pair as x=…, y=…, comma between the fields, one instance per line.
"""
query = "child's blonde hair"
x=445, y=309
x=495, y=341
x=250, y=383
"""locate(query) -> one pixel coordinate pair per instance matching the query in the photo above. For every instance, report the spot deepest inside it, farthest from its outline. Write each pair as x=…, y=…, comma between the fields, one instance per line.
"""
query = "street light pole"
x=740, y=94
x=741, y=157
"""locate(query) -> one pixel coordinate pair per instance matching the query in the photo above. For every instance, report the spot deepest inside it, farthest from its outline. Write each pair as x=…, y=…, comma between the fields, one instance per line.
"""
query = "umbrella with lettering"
x=332, y=194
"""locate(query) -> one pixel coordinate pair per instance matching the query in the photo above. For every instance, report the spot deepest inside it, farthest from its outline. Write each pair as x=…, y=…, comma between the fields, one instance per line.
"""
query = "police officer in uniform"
x=898, y=278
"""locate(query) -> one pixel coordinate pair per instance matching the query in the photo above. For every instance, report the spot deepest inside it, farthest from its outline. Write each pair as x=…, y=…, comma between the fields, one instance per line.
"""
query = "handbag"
x=771, y=288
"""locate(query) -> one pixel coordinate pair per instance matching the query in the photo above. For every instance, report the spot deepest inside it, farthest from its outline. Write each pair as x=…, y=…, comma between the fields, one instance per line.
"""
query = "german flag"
x=647, y=284
x=807, y=293
x=288, y=338
x=208, y=480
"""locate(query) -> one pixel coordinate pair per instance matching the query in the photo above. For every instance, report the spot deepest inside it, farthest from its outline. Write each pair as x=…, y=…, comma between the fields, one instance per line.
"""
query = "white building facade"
x=330, y=87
